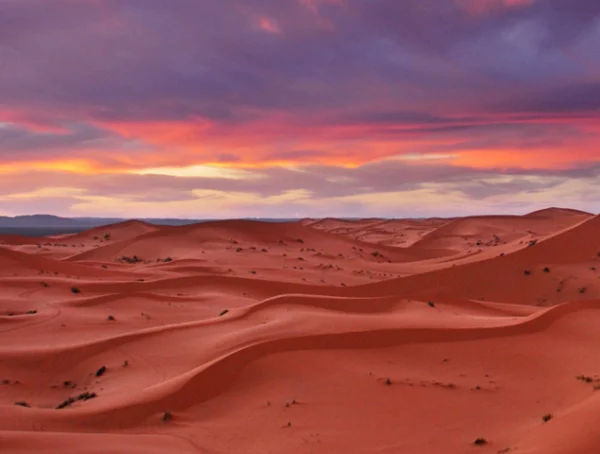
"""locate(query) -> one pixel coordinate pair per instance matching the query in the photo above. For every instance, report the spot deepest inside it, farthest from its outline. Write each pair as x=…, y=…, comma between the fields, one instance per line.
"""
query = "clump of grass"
x=480, y=441
x=70, y=400
x=167, y=416
x=547, y=417
x=223, y=312
x=75, y=290
x=107, y=236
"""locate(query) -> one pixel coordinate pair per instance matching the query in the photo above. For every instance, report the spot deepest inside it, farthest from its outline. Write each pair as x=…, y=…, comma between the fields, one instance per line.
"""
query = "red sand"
x=371, y=336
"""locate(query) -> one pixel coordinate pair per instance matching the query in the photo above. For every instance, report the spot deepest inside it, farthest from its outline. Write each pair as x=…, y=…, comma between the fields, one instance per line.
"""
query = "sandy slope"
x=372, y=336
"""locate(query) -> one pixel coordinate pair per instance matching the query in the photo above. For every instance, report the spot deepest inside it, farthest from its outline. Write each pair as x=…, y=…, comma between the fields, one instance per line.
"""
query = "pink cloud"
x=269, y=26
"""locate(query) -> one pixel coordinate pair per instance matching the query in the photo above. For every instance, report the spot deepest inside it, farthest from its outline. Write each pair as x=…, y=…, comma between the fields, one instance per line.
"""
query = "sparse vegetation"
x=32, y=312
x=130, y=260
x=582, y=290
x=167, y=416
x=107, y=236
x=585, y=378
x=388, y=381
x=527, y=272
x=546, y=270
x=75, y=290
x=70, y=400
x=111, y=318
x=547, y=417
x=430, y=303
x=480, y=441
x=101, y=371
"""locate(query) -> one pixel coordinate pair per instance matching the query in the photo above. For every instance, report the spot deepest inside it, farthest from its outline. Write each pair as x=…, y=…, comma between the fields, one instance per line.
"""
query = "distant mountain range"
x=35, y=221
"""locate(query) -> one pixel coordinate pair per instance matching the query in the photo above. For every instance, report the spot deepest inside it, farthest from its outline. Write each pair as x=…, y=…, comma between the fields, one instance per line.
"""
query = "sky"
x=297, y=108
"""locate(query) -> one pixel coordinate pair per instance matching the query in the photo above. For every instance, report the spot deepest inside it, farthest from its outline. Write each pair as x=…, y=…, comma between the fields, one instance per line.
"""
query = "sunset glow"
x=298, y=107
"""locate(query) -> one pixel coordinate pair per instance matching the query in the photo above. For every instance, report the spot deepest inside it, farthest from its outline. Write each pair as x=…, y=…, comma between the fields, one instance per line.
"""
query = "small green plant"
x=107, y=236
x=547, y=417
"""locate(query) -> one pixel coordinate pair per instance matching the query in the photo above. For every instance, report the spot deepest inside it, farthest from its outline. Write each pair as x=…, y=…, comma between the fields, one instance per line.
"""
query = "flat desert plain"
x=450, y=336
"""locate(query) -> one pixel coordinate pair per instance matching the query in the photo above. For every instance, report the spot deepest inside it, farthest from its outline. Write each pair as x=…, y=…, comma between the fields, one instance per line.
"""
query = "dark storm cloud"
x=125, y=60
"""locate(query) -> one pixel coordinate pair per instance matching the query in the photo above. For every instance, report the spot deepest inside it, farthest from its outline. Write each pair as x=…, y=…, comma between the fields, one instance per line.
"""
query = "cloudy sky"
x=292, y=108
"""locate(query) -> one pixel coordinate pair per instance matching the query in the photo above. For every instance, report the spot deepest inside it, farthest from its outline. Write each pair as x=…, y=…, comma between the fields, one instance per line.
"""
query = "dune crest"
x=460, y=335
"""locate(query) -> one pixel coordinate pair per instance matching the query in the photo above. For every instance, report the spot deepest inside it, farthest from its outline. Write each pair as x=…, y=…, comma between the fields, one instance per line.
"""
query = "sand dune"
x=322, y=336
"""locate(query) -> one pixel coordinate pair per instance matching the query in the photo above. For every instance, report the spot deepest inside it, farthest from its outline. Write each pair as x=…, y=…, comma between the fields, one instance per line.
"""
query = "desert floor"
x=322, y=336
